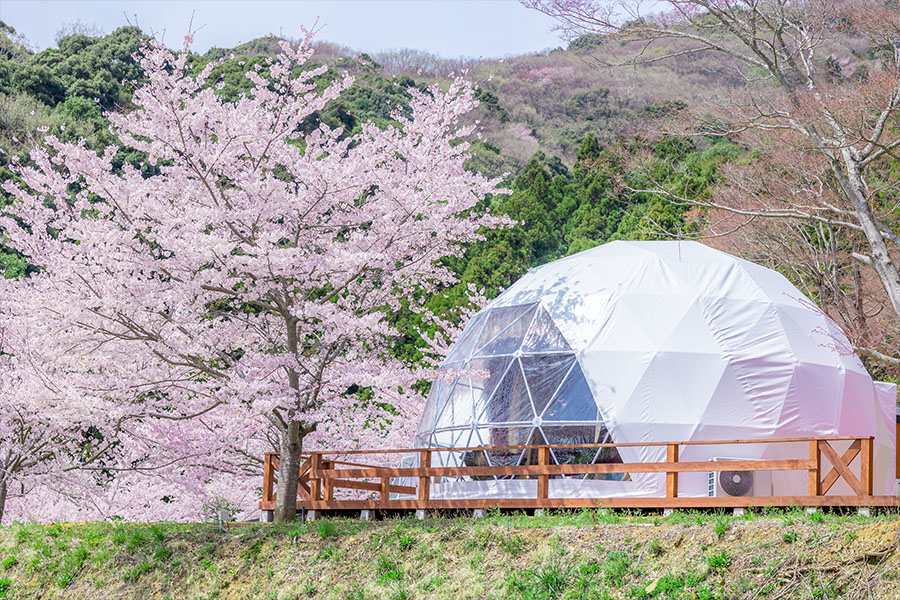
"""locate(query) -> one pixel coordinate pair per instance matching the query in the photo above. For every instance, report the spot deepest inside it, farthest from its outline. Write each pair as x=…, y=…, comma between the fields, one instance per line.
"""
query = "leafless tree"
x=827, y=141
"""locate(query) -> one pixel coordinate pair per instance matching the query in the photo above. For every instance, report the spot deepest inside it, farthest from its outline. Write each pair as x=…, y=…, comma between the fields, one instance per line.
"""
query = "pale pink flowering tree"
x=238, y=296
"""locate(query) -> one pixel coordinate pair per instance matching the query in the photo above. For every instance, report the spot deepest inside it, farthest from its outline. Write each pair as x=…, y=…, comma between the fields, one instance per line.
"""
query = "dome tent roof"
x=650, y=341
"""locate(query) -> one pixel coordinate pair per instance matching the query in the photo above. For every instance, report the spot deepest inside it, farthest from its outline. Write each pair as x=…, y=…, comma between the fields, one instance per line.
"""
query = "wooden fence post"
x=268, y=479
x=328, y=484
x=672, y=476
x=865, y=465
x=315, y=484
x=424, y=482
x=815, y=457
x=543, y=487
x=384, y=494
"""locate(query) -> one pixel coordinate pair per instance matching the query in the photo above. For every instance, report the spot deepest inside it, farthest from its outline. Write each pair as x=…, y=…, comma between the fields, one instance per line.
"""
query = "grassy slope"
x=574, y=555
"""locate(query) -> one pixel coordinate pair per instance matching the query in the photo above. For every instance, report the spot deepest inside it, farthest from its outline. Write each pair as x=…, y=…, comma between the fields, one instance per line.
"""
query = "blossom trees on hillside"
x=238, y=290
x=820, y=104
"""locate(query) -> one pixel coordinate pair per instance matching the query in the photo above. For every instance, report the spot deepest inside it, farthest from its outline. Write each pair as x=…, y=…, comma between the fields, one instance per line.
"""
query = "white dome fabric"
x=651, y=342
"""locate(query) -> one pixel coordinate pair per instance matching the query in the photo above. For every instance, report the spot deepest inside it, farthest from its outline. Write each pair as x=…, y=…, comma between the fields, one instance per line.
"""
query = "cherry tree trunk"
x=288, y=474
x=2, y=498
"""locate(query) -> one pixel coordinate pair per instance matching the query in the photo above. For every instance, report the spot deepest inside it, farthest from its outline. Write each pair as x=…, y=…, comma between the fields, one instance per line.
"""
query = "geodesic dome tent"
x=649, y=341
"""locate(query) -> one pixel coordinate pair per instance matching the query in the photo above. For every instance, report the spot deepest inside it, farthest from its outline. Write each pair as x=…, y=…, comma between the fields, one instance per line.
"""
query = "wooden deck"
x=324, y=472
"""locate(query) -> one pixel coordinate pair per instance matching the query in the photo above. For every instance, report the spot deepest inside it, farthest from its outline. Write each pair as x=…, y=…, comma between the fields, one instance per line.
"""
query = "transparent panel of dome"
x=509, y=402
x=543, y=336
x=573, y=400
x=510, y=339
x=485, y=374
x=505, y=436
x=459, y=408
x=504, y=329
x=464, y=346
x=530, y=456
x=436, y=396
x=580, y=435
x=545, y=374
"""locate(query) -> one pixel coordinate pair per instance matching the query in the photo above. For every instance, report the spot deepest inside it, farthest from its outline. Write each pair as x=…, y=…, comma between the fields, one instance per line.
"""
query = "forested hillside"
x=571, y=136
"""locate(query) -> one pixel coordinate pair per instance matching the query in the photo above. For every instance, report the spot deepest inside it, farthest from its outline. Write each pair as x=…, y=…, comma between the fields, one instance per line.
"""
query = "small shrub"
x=513, y=545
x=719, y=561
x=134, y=539
x=387, y=569
x=789, y=537
x=327, y=529
x=669, y=586
x=616, y=568
x=162, y=554
x=71, y=565
x=5, y=584
x=654, y=547
x=207, y=549
x=327, y=553
x=136, y=572
x=405, y=541
x=817, y=517
x=309, y=589
x=10, y=561
x=552, y=579
x=721, y=525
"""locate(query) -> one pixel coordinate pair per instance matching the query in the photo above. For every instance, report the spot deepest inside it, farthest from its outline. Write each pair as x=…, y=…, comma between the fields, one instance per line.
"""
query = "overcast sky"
x=449, y=28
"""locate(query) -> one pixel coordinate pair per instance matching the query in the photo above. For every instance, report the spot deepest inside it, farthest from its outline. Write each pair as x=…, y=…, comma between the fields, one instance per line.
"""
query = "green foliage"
x=387, y=569
x=721, y=525
x=327, y=529
x=5, y=584
x=544, y=583
x=81, y=66
x=719, y=561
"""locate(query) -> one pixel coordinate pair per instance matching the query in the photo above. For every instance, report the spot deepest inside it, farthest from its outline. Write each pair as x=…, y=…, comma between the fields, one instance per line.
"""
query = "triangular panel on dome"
x=544, y=335
x=485, y=375
x=573, y=400
x=459, y=408
x=504, y=436
x=429, y=413
x=466, y=343
x=544, y=374
x=530, y=457
x=496, y=325
x=509, y=339
x=584, y=436
x=509, y=402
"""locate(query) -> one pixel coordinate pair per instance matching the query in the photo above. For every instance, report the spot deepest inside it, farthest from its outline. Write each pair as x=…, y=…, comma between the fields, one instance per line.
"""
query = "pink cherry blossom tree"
x=236, y=298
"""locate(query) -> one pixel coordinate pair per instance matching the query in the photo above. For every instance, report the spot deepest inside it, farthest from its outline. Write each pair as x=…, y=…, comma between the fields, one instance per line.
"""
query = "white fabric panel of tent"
x=650, y=342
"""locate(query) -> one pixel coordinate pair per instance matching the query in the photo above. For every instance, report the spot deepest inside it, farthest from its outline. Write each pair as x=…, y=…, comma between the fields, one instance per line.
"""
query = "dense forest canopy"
x=562, y=129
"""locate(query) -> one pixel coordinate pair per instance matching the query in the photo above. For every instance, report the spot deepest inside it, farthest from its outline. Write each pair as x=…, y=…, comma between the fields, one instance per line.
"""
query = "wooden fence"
x=322, y=473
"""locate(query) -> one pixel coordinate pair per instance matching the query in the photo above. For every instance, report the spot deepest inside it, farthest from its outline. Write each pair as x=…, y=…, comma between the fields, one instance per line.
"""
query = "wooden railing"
x=321, y=473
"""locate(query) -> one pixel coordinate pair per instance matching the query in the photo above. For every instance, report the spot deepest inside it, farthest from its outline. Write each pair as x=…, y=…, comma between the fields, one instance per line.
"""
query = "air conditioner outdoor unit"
x=738, y=483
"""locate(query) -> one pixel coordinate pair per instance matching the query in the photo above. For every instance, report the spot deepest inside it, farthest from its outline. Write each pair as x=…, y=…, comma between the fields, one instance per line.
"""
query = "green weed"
x=721, y=525
x=136, y=572
x=513, y=545
x=616, y=568
x=719, y=561
x=327, y=529
x=387, y=569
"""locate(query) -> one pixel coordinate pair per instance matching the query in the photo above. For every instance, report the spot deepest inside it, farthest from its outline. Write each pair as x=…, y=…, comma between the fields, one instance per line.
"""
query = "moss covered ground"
x=568, y=555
